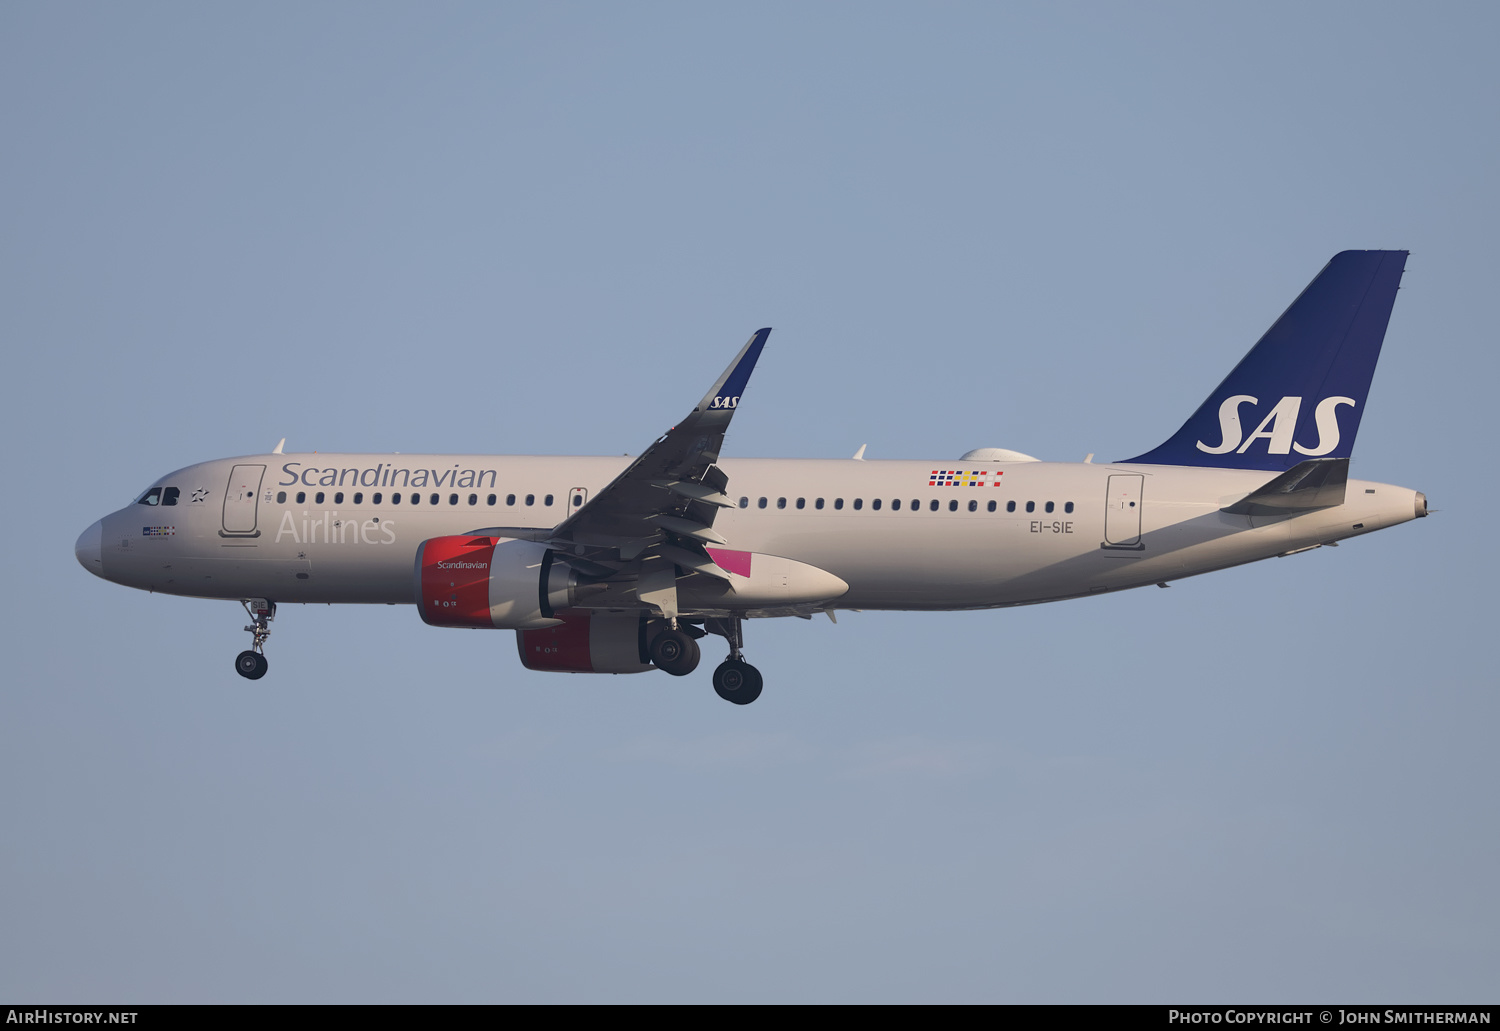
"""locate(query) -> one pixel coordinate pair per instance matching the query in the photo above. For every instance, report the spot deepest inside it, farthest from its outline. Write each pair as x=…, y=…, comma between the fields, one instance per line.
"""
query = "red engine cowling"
x=491, y=582
x=587, y=642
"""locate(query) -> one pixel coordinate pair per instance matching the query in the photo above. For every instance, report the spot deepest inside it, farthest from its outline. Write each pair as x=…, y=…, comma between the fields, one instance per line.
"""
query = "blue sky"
x=544, y=229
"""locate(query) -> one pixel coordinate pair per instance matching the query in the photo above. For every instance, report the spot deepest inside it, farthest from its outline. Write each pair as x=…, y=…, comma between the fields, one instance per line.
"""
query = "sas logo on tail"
x=1277, y=427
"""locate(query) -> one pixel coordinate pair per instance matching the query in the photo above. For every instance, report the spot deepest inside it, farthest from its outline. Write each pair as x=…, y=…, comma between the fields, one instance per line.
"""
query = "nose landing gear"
x=251, y=663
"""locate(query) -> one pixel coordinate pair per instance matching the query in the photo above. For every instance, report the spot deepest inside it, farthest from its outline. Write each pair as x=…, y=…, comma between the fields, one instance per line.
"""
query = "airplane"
x=620, y=565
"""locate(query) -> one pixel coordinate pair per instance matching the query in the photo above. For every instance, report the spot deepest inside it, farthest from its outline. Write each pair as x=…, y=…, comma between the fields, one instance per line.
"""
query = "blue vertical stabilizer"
x=1301, y=390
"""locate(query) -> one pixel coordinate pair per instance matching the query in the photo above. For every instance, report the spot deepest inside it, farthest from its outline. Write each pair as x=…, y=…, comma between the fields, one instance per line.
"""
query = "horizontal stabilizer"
x=1315, y=483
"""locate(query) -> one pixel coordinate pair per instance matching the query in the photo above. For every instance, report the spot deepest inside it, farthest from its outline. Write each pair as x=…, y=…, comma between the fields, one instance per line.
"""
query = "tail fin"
x=1304, y=384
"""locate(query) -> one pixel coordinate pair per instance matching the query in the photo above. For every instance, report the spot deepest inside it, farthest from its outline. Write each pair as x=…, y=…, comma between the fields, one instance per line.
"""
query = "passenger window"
x=301, y=497
x=991, y=506
x=1068, y=508
x=838, y=503
x=169, y=496
x=547, y=500
x=376, y=499
x=1010, y=506
x=1049, y=508
x=490, y=501
x=744, y=502
x=453, y=499
x=281, y=497
x=973, y=506
x=151, y=497
x=531, y=499
x=859, y=503
x=577, y=500
x=934, y=504
x=761, y=503
x=434, y=499
x=781, y=502
x=874, y=504
x=416, y=499
x=318, y=498
x=395, y=499
x=338, y=499
x=801, y=502
x=1031, y=506
x=473, y=499
x=510, y=499
x=818, y=503
x=359, y=497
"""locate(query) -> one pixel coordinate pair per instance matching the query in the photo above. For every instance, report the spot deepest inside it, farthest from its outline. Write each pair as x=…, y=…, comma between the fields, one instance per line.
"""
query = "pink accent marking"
x=731, y=561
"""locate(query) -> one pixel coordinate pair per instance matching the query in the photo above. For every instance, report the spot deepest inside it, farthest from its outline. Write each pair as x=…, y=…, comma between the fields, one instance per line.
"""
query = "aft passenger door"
x=1122, y=512
x=240, y=501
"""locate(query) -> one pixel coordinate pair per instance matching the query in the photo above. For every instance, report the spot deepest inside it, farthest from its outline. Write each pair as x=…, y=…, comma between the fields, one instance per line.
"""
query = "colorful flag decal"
x=963, y=478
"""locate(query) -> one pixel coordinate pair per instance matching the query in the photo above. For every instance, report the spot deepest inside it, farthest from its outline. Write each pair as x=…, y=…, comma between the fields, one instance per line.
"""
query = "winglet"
x=277, y=449
x=726, y=392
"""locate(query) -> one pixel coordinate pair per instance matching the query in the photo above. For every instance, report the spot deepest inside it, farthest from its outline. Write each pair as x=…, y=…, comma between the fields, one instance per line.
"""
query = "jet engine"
x=587, y=642
x=491, y=582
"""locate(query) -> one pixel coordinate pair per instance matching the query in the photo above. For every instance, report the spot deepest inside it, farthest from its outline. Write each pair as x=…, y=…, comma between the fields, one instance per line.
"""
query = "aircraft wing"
x=667, y=498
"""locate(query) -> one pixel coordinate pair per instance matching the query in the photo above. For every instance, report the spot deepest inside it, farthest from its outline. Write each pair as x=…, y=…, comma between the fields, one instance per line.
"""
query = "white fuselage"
x=325, y=527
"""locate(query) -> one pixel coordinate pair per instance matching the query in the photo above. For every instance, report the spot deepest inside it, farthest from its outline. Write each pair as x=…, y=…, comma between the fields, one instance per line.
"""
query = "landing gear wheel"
x=675, y=652
x=251, y=665
x=737, y=681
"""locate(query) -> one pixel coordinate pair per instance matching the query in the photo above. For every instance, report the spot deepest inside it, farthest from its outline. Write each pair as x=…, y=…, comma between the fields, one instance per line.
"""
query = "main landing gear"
x=735, y=680
x=251, y=663
x=675, y=650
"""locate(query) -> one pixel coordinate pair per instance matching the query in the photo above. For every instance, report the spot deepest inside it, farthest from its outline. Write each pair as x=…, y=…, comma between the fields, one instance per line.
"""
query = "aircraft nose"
x=90, y=548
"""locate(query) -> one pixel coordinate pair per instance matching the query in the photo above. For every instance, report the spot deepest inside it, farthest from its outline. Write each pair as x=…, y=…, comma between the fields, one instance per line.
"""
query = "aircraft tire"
x=675, y=652
x=737, y=681
x=251, y=665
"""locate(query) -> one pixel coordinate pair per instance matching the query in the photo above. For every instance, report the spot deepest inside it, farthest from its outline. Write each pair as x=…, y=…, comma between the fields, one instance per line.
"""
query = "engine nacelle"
x=587, y=642
x=491, y=582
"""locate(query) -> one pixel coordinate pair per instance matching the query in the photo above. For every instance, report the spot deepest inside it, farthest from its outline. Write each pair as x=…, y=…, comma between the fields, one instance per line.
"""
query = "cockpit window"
x=169, y=495
x=151, y=497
